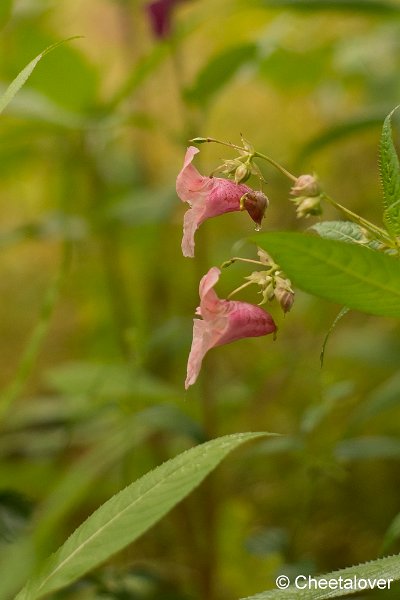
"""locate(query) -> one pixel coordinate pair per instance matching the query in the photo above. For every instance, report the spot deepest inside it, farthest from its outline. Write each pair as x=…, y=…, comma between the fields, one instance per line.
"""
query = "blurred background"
x=97, y=300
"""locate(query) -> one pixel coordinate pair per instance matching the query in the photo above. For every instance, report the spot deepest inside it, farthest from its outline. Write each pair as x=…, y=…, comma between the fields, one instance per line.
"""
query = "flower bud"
x=306, y=185
x=307, y=206
x=242, y=173
x=256, y=204
x=285, y=296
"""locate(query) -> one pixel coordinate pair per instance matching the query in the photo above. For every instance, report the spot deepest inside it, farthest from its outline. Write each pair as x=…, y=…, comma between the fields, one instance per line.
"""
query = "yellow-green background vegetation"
x=89, y=152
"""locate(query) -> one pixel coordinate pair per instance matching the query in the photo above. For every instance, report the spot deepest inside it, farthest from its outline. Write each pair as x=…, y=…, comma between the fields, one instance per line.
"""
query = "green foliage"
x=382, y=568
x=219, y=71
x=390, y=177
x=89, y=150
x=369, y=6
x=357, y=277
x=341, y=131
x=130, y=513
x=22, y=77
x=343, y=231
x=5, y=11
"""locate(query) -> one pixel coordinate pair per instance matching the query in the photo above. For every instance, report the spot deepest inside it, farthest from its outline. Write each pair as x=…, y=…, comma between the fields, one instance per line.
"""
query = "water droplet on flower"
x=258, y=227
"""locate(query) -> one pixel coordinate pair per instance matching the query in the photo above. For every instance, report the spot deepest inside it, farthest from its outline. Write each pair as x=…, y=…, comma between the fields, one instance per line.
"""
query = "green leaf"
x=338, y=132
x=128, y=514
x=5, y=11
x=382, y=568
x=392, y=534
x=21, y=79
x=219, y=71
x=384, y=397
x=390, y=178
x=354, y=276
x=370, y=6
x=344, y=231
x=368, y=448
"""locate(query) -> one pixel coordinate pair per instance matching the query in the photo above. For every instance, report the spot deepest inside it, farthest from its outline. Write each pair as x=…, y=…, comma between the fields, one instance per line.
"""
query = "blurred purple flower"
x=160, y=15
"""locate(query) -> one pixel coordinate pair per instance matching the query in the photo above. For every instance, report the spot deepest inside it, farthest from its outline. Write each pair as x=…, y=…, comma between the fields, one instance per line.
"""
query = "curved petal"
x=191, y=223
x=200, y=346
x=210, y=304
x=206, y=335
x=245, y=320
x=191, y=186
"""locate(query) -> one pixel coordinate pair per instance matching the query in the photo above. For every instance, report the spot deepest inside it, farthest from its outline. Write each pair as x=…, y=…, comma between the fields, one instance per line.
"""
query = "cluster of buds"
x=307, y=196
x=273, y=283
x=243, y=166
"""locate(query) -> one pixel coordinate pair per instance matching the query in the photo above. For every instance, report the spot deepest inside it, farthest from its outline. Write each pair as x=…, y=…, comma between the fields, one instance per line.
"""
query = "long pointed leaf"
x=383, y=568
x=390, y=177
x=22, y=77
x=128, y=514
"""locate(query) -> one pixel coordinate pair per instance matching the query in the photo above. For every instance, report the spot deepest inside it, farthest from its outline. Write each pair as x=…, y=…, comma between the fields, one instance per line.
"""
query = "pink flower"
x=209, y=197
x=223, y=321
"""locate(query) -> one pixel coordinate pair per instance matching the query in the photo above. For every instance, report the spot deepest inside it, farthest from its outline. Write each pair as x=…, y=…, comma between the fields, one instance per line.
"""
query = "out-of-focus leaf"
x=354, y=276
x=368, y=6
x=382, y=398
x=15, y=510
x=289, y=69
x=170, y=418
x=218, y=71
x=339, y=132
x=143, y=206
x=392, y=534
x=267, y=541
x=277, y=445
x=144, y=67
x=367, y=448
x=34, y=343
x=382, y=568
x=22, y=77
x=5, y=11
x=34, y=106
x=106, y=382
x=390, y=178
x=54, y=226
x=128, y=514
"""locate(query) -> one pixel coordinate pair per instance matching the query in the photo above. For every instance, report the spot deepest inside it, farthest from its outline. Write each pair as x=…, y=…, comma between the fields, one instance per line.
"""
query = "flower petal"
x=207, y=196
x=246, y=320
x=191, y=186
x=223, y=322
x=209, y=301
x=206, y=335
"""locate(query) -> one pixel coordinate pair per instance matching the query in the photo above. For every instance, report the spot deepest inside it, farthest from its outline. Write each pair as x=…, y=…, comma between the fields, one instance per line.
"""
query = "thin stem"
x=255, y=155
x=276, y=165
x=376, y=231
x=240, y=288
x=227, y=263
x=38, y=335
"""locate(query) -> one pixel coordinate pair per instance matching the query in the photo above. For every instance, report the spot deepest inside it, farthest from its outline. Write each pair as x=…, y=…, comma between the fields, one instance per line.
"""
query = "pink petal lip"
x=223, y=322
